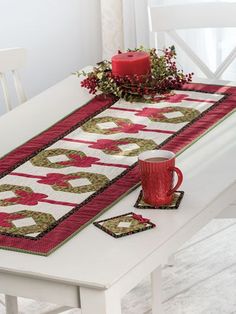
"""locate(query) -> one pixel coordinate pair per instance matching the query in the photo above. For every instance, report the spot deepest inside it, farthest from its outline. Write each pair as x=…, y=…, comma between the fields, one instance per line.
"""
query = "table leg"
x=99, y=301
x=11, y=304
x=156, y=291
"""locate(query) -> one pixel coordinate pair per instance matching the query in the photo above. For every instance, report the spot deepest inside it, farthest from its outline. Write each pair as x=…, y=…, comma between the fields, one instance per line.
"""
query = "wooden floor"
x=203, y=280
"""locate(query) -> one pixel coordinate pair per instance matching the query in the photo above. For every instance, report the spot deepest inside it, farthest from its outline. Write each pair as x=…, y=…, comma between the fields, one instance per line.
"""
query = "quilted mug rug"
x=63, y=179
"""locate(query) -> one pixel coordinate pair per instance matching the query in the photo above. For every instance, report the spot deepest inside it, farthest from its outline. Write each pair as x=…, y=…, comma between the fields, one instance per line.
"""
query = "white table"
x=93, y=271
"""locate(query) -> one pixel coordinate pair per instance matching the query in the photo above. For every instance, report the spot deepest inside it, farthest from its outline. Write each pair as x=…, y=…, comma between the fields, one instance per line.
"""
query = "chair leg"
x=171, y=260
x=156, y=291
x=11, y=304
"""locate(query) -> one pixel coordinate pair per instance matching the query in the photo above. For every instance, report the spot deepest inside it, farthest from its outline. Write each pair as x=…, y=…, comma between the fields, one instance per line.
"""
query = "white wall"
x=61, y=36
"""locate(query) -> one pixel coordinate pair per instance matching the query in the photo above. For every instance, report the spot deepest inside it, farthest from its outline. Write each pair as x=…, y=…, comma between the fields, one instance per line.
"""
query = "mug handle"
x=180, y=179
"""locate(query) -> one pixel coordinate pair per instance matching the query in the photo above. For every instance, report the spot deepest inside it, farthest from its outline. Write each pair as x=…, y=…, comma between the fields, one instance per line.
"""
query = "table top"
x=93, y=258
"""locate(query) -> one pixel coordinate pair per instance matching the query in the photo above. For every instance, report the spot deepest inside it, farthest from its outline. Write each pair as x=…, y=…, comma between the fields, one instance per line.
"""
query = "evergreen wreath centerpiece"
x=137, y=75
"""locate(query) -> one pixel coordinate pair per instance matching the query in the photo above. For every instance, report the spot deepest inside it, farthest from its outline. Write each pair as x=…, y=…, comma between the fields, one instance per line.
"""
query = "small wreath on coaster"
x=178, y=196
x=140, y=75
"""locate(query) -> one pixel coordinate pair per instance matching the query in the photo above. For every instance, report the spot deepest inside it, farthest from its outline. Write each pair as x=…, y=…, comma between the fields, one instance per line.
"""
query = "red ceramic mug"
x=157, y=170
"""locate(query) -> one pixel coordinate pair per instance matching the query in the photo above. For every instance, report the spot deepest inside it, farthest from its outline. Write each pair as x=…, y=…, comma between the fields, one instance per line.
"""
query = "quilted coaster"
x=178, y=196
x=124, y=225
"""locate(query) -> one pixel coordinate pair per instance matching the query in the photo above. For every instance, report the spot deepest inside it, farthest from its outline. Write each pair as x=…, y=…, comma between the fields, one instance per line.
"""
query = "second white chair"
x=170, y=18
x=11, y=60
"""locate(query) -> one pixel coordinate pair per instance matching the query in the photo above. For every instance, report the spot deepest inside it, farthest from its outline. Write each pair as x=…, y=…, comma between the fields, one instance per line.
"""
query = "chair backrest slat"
x=171, y=18
x=19, y=88
x=5, y=90
x=196, y=15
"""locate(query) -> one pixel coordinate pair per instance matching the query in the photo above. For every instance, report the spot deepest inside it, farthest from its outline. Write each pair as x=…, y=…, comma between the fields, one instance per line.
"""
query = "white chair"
x=169, y=18
x=11, y=60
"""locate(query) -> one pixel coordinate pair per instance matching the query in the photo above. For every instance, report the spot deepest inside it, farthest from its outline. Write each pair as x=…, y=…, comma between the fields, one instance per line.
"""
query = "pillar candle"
x=130, y=63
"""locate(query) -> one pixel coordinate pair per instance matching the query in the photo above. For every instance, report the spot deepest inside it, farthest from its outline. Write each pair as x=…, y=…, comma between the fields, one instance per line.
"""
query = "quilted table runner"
x=57, y=183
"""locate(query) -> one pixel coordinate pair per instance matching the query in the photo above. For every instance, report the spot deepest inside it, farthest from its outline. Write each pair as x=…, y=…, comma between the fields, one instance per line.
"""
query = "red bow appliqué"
x=155, y=113
x=129, y=127
x=108, y=144
x=5, y=219
x=176, y=98
x=57, y=179
x=79, y=161
x=172, y=98
x=27, y=198
x=140, y=218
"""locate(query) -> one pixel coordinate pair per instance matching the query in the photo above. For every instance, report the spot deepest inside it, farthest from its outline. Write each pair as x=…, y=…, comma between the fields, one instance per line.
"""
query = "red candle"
x=130, y=63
